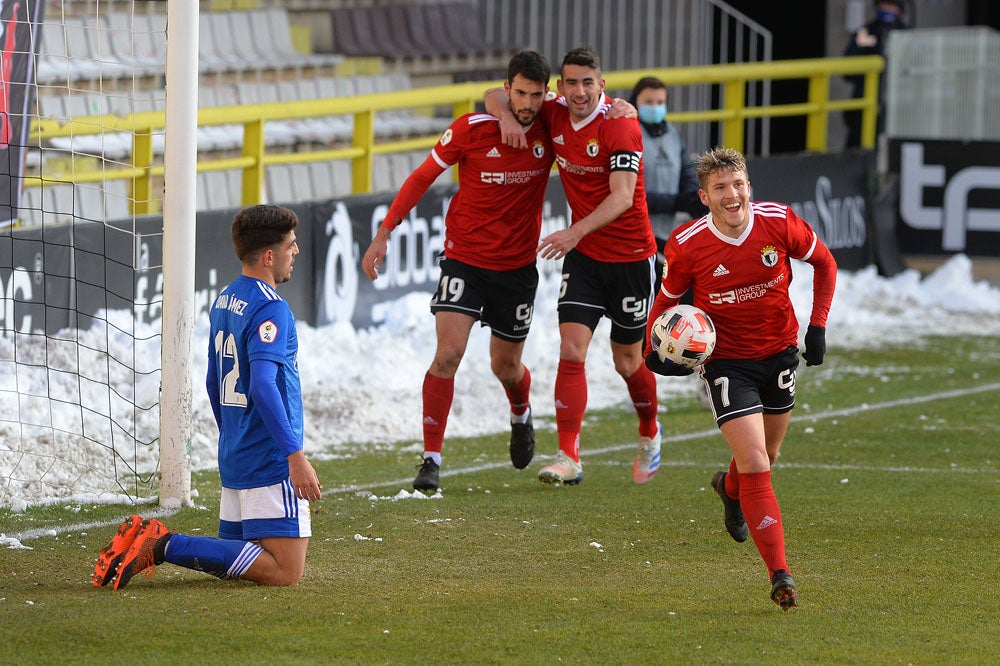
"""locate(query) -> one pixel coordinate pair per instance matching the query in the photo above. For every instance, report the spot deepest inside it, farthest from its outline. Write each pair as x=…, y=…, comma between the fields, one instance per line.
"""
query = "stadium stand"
x=446, y=35
x=113, y=63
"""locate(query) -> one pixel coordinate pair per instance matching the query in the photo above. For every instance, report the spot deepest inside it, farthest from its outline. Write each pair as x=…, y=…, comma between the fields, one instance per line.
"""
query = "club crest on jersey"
x=267, y=331
x=538, y=149
x=592, y=148
x=446, y=137
x=769, y=256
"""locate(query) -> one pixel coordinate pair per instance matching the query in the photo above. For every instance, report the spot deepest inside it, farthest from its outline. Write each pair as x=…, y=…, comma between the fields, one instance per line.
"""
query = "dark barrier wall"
x=949, y=196
x=118, y=269
x=832, y=192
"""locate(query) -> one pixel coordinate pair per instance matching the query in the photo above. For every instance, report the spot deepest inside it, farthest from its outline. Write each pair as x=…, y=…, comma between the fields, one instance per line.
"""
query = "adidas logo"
x=767, y=522
x=720, y=271
x=429, y=420
x=558, y=139
x=493, y=152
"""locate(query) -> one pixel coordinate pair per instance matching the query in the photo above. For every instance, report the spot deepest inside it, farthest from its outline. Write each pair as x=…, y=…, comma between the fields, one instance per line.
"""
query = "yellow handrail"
x=463, y=97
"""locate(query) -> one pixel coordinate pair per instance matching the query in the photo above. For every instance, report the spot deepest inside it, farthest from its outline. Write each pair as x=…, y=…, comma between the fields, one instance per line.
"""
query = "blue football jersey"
x=250, y=322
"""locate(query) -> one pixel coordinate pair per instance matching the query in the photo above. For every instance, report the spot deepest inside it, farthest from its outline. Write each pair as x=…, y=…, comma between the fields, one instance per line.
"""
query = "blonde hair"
x=719, y=158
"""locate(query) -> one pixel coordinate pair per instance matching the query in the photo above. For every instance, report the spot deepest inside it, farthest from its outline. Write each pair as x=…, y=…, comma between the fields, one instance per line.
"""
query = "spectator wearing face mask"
x=871, y=39
x=671, y=185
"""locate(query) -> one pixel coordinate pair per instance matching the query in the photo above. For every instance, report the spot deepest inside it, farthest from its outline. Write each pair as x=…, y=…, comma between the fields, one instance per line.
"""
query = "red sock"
x=571, y=402
x=760, y=507
x=517, y=395
x=438, y=393
x=642, y=389
x=733, y=480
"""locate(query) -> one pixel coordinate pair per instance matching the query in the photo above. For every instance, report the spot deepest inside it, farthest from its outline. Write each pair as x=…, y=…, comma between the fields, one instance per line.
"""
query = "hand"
x=865, y=40
x=666, y=368
x=303, y=478
x=512, y=132
x=558, y=244
x=621, y=108
x=375, y=253
x=815, y=345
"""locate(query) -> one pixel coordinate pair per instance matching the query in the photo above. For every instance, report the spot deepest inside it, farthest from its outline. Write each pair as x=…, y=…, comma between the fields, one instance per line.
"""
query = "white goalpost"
x=180, y=168
x=96, y=302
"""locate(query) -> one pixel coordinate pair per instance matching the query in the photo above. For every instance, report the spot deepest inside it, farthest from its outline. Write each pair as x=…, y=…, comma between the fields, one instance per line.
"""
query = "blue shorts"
x=258, y=513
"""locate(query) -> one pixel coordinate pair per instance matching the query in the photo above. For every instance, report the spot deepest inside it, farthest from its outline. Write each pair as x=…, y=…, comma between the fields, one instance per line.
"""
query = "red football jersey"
x=584, y=153
x=494, y=220
x=742, y=283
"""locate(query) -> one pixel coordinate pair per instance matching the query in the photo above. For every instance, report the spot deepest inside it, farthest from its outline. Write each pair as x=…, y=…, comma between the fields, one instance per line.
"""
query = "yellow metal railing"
x=733, y=81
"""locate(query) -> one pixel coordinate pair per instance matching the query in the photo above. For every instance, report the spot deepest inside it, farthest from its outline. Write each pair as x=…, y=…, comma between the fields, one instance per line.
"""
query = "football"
x=683, y=335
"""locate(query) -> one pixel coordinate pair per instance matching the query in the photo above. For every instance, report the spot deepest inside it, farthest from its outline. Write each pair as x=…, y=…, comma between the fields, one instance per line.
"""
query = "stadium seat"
x=397, y=25
x=340, y=172
x=54, y=64
x=130, y=40
x=272, y=32
x=209, y=59
x=100, y=202
x=345, y=38
x=278, y=184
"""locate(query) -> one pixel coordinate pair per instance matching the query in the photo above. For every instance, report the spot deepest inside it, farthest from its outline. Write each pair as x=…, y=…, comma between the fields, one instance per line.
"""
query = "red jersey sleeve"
x=806, y=246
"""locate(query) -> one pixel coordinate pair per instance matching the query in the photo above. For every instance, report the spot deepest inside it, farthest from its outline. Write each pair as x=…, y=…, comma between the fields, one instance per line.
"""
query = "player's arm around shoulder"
x=497, y=104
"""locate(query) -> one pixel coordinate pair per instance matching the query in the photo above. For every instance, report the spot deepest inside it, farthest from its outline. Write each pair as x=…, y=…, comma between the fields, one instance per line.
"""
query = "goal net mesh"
x=79, y=325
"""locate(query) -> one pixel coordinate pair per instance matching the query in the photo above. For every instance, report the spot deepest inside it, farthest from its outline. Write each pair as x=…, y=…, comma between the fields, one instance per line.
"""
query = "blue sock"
x=222, y=558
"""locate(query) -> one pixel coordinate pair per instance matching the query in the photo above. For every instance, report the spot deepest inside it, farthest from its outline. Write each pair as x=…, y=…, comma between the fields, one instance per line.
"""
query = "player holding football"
x=253, y=386
x=737, y=261
x=607, y=252
x=488, y=268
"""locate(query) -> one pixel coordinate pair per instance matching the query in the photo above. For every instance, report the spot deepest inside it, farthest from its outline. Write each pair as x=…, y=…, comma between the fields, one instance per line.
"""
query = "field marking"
x=711, y=432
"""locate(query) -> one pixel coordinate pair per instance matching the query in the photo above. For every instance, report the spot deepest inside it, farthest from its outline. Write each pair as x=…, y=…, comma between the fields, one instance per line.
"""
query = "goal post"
x=97, y=300
x=179, y=202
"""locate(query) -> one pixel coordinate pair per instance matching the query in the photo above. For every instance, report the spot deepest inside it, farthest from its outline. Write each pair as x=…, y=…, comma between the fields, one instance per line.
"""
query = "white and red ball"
x=683, y=335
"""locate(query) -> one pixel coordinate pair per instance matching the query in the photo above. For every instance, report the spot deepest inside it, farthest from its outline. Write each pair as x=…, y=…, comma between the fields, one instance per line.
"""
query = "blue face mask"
x=652, y=114
x=887, y=17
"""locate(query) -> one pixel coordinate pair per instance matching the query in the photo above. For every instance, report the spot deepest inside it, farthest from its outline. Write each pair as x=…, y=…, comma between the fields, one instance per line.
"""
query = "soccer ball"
x=683, y=335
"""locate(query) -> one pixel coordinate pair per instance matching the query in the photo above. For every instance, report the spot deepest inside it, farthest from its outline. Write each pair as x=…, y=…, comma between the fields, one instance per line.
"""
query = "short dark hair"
x=644, y=83
x=257, y=228
x=532, y=65
x=584, y=56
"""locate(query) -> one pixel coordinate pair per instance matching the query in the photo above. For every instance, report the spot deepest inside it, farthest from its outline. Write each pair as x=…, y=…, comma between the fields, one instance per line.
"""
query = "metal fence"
x=943, y=84
x=642, y=34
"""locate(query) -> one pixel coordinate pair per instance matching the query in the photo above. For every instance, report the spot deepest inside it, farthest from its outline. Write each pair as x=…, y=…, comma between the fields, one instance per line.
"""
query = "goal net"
x=80, y=280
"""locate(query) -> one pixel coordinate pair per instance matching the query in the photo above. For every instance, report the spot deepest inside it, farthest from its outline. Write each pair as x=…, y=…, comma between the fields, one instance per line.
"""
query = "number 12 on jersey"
x=225, y=348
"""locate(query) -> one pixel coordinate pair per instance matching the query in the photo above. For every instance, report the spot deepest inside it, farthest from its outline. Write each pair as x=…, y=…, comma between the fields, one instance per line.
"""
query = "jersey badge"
x=593, y=148
x=538, y=149
x=446, y=137
x=769, y=256
x=267, y=331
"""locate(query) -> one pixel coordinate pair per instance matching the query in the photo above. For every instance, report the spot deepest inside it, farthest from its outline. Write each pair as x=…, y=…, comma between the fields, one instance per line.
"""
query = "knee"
x=506, y=371
x=283, y=578
x=446, y=364
x=627, y=364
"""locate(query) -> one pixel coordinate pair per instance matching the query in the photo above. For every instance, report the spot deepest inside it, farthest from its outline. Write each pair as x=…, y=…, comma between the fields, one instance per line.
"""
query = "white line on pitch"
x=711, y=432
